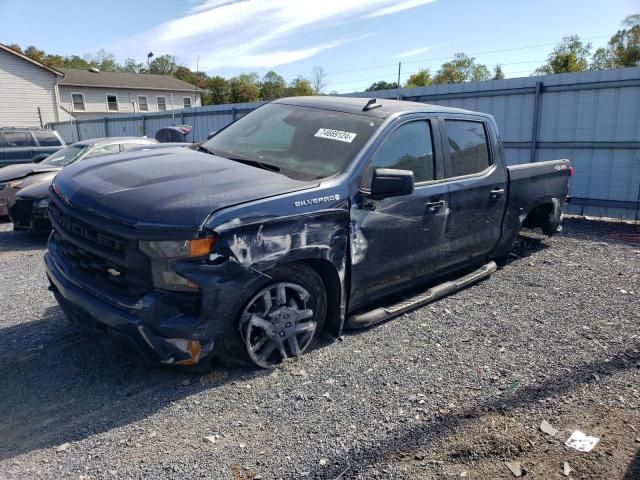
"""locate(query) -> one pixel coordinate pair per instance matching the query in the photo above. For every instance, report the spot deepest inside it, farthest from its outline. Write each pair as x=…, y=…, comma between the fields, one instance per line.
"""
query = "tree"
x=244, y=88
x=216, y=91
x=570, y=55
x=15, y=47
x=131, y=66
x=381, y=85
x=74, y=61
x=299, y=87
x=498, y=74
x=273, y=86
x=623, y=48
x=462, y=69
x=420, y=79
x=34, y=54
x=318, y=80
x=103, y=60
x=163, y=65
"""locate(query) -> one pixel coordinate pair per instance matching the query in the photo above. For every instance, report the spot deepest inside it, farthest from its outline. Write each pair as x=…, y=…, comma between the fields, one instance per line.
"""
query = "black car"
x=24, y=145
x=309, y=214
x=23, y=185
x=30, y=210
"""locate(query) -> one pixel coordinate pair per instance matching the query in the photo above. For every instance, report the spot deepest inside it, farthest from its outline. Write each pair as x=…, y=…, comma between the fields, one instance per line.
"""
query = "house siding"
x=23, y=88
x=95, y=100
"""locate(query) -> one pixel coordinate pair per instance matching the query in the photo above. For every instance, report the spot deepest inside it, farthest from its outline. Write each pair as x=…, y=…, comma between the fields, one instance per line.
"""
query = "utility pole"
x=398, y=88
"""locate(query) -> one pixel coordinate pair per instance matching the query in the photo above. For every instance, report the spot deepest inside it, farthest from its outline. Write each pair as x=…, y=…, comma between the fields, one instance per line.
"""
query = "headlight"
x=15, y=183
x=177, y=249
x=165, y=253
x=44, y=203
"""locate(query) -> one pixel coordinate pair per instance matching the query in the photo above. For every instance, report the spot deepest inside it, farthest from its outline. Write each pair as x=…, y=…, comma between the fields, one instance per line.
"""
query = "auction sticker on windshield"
x=335, y=135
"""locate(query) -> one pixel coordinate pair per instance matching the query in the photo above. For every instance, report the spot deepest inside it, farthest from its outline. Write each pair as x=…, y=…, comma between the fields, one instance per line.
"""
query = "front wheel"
x=282, y=319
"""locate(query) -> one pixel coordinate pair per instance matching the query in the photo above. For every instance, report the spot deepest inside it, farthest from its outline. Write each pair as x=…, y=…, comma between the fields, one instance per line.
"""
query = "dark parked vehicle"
x=306, y=215
x=17, y=177
x=23, y=145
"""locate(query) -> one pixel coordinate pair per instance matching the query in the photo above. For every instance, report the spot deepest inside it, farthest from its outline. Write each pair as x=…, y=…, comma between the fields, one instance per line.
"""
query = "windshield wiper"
x=246, y=161
x=204, y=149
x=255, y=163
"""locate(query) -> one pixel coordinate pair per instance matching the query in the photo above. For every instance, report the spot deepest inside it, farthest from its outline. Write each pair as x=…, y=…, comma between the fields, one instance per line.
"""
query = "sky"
x=357, y=42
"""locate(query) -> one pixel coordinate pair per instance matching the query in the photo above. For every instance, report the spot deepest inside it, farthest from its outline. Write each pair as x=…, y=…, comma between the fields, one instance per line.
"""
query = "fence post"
x=536, y=121
x=106, y=127
x=77, y=131
x=144, y=125
x=233, y=114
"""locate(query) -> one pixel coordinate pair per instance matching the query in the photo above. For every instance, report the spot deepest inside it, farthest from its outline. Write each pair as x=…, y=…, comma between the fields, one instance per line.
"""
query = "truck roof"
x=357, y=105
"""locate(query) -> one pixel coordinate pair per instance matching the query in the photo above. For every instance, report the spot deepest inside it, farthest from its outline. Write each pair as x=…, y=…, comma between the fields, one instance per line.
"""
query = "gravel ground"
x=455, y=389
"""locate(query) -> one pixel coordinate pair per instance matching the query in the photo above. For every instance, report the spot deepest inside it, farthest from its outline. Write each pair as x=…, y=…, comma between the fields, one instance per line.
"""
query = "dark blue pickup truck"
x=306, y=216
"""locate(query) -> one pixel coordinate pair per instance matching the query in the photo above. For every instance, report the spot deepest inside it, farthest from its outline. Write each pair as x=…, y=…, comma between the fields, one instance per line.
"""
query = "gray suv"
x=24, y=145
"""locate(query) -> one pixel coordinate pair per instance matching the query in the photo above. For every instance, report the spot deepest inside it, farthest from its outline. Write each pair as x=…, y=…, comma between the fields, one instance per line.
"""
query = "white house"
x=28, y=91
x=92, y=93
x=33, y=94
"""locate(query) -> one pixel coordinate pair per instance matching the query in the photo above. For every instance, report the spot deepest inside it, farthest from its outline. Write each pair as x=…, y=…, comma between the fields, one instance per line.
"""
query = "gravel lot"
x=455, y=389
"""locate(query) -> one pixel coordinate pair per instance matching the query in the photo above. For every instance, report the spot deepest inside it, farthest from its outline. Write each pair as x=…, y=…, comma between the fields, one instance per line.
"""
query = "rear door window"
x=468, y=147
x=48, y=139
x=18, y=139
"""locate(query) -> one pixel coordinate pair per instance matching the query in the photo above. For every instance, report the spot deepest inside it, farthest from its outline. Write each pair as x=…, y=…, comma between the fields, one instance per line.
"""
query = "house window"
x=186, y=101
x=78, y=102
x=162, y=103
x=112, y=103
x=142, y=103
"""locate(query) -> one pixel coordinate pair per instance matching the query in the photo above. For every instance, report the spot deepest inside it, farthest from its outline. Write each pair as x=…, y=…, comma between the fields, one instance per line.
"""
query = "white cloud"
x=417, y=51
x=398, y=7
x=256, y=33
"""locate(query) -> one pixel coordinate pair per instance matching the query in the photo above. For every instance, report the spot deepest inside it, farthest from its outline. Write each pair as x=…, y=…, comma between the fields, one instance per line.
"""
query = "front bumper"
x=25, y=216
x=153, y=325
x=7, y=196
x=125, y=325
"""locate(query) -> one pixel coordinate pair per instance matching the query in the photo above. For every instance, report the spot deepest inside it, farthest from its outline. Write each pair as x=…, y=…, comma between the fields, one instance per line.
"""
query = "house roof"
x=86, y=78
x=31, y=60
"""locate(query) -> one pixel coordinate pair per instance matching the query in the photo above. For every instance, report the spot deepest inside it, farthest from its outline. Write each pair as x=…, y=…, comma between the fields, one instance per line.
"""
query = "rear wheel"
x=283, y=319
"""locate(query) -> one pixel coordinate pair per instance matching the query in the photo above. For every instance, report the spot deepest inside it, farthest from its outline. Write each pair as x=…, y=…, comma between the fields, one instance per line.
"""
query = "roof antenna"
x=371, y=104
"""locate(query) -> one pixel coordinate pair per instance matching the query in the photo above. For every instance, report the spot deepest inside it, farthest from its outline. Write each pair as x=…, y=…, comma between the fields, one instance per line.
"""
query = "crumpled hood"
x=36, y=186
x=14, y=172
x=165, y=188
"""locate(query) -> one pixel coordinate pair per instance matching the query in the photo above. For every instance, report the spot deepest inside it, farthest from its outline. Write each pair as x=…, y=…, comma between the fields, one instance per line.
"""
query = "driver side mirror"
x=389, y=182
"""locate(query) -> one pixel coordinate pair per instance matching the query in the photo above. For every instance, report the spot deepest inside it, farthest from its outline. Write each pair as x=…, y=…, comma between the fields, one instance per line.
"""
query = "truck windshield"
x=300, y=142
x=65, y=156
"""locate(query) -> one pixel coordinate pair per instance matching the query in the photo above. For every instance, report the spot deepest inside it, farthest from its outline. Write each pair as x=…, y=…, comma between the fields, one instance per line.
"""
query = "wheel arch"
x=546, y=215
x=335, y=293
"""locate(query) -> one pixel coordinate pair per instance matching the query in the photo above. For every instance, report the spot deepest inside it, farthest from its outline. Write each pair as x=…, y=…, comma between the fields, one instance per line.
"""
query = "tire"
x=281, y=325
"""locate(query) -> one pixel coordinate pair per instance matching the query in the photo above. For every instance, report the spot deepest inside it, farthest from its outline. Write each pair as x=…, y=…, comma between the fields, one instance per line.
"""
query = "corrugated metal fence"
x=592, y=118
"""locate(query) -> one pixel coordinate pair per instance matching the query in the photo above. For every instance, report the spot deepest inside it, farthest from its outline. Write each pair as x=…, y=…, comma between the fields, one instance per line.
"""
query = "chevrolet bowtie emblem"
x=113, y=272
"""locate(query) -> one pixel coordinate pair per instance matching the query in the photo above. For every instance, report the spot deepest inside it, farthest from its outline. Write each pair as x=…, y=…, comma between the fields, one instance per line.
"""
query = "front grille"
x=21, y=212
x=100, y=258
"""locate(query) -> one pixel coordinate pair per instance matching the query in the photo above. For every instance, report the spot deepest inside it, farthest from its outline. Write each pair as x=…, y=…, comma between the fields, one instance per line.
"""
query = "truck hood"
x=167, y=188
x=14, y=172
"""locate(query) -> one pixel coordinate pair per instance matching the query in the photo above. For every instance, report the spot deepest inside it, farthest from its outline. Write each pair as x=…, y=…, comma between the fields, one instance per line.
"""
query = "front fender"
x=256, y=246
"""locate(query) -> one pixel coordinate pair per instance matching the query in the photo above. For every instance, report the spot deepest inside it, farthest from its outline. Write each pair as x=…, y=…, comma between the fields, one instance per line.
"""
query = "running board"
x=377, y=315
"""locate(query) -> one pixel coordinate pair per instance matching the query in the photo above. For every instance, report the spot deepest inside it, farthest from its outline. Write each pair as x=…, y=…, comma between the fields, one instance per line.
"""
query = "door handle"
x=433, y=207
x=496, y=193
